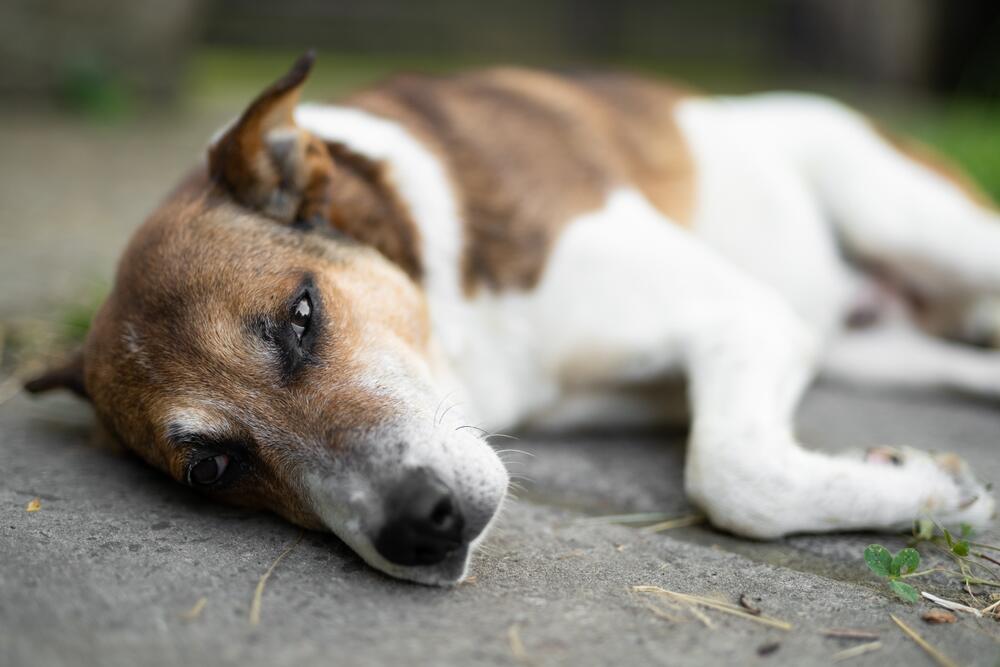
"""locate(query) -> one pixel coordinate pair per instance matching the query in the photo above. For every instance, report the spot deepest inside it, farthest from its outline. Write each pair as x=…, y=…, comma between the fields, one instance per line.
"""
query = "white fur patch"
x=417, y=174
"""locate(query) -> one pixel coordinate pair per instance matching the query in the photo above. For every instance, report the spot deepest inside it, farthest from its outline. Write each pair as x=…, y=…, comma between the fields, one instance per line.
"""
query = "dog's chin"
x=448, y=572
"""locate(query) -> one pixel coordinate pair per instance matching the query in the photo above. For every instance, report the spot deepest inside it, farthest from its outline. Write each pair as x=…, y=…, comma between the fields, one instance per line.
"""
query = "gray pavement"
x=103, y=572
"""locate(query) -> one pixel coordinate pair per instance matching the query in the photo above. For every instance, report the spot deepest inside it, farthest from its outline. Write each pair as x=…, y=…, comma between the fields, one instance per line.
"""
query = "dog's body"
x=520, y=248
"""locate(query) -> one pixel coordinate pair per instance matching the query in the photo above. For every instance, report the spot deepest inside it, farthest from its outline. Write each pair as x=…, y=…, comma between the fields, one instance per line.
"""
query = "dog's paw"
x=949, y=491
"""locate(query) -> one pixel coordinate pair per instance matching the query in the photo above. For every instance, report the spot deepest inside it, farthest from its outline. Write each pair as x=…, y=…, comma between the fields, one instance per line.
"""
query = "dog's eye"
x=208, y=470
x=300, y=317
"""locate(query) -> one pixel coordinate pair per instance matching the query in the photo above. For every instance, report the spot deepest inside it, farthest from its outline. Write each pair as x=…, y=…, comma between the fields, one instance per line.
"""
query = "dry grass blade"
x=855, y=651
x=33, y=505
x=10, y=388
x=259, y=591
x=938, y=657
x=679, y=522
x=641, y=517
x=701, y=616
x=516, y=645
x=661, y=612
x=953, y=606
x=195, y=611
x=849, y=633
x=714, y=604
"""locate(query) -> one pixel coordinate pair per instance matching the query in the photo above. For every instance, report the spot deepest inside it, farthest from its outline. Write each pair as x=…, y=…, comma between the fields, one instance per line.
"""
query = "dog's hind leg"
x=898, y=354
x=894, y=206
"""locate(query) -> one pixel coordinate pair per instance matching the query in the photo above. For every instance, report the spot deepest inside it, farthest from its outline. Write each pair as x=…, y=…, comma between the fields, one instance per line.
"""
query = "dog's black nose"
x=423, y=521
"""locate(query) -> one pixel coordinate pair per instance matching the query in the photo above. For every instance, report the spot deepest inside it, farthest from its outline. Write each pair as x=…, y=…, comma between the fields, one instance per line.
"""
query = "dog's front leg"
x=748, y=472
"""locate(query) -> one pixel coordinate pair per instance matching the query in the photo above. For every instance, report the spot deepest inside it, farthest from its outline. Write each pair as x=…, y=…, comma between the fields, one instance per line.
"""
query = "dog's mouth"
x=448, y=571
x=423, y=530
x=445, y=568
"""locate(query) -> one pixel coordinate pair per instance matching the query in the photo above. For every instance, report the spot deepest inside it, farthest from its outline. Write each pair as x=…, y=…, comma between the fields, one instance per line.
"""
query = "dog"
x=329, y=316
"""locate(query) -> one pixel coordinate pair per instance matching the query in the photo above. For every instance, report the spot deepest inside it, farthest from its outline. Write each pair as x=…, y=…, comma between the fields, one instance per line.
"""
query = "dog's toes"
x=884, y=455
x=953, y=494
x=973, y=503
x=974, y=496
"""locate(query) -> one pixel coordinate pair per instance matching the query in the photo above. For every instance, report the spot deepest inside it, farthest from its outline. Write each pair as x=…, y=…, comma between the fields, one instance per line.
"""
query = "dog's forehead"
x=186, y=282
x=188, y=247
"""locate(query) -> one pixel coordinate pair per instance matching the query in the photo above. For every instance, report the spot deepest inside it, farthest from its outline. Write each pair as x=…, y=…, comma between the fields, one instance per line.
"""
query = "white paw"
x=948, y=491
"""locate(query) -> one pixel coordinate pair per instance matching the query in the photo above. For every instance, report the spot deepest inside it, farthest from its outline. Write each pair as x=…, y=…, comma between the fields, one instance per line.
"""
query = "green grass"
x=969, y=133
x=233, y=76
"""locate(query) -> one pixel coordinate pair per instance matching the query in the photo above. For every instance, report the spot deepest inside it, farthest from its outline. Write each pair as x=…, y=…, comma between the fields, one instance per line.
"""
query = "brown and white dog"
x=321, y=319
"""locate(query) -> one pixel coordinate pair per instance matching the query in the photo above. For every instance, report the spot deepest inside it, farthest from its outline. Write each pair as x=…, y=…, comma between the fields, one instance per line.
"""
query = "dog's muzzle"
x=424, y=523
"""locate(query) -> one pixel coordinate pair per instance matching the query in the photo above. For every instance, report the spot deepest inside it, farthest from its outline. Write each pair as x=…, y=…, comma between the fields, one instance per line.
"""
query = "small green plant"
x=894, y=568
x=924, y=531
x=972, y=559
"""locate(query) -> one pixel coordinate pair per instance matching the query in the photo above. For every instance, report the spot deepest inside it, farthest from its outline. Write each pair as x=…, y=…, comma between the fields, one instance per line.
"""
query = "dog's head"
x=276, y=366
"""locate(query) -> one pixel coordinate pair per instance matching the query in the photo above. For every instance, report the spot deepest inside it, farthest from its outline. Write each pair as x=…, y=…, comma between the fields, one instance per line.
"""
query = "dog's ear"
x=270, y=164
x=67, y=375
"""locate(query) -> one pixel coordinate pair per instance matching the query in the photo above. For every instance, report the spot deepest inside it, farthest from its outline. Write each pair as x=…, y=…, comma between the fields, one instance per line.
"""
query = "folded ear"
x=68, y=375
x=270, y=164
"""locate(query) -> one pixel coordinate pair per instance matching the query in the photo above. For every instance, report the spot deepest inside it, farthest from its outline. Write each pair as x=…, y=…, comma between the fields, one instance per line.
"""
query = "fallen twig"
x=935, y=654
x=855, y=651
x=259, y=591
x=988, y=558
x=768, y=649
x=953, y=606
x=938, y=616
x=746, y=604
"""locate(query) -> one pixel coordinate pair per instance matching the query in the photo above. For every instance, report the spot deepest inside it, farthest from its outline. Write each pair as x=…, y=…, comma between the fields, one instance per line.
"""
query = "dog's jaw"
x=349, y=496
x=350, y=517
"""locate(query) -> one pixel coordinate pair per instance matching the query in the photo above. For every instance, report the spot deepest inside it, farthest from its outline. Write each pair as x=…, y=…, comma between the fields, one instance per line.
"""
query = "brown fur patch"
x=267, y=163
x=528, y=151
x=364, y=206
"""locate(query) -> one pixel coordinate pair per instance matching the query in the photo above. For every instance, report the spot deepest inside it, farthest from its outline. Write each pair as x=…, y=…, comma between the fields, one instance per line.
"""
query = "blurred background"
x=105, y=103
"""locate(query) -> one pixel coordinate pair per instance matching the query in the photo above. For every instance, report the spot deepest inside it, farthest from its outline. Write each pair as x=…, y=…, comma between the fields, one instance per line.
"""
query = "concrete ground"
x=104, y=571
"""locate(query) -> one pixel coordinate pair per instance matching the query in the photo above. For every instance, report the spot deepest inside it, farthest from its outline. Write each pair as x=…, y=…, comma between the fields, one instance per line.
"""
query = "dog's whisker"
x=439, y=404
x=438, y=416
x=502, y=435
x=515, y=451
x=445, y=413
x=477, y=428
